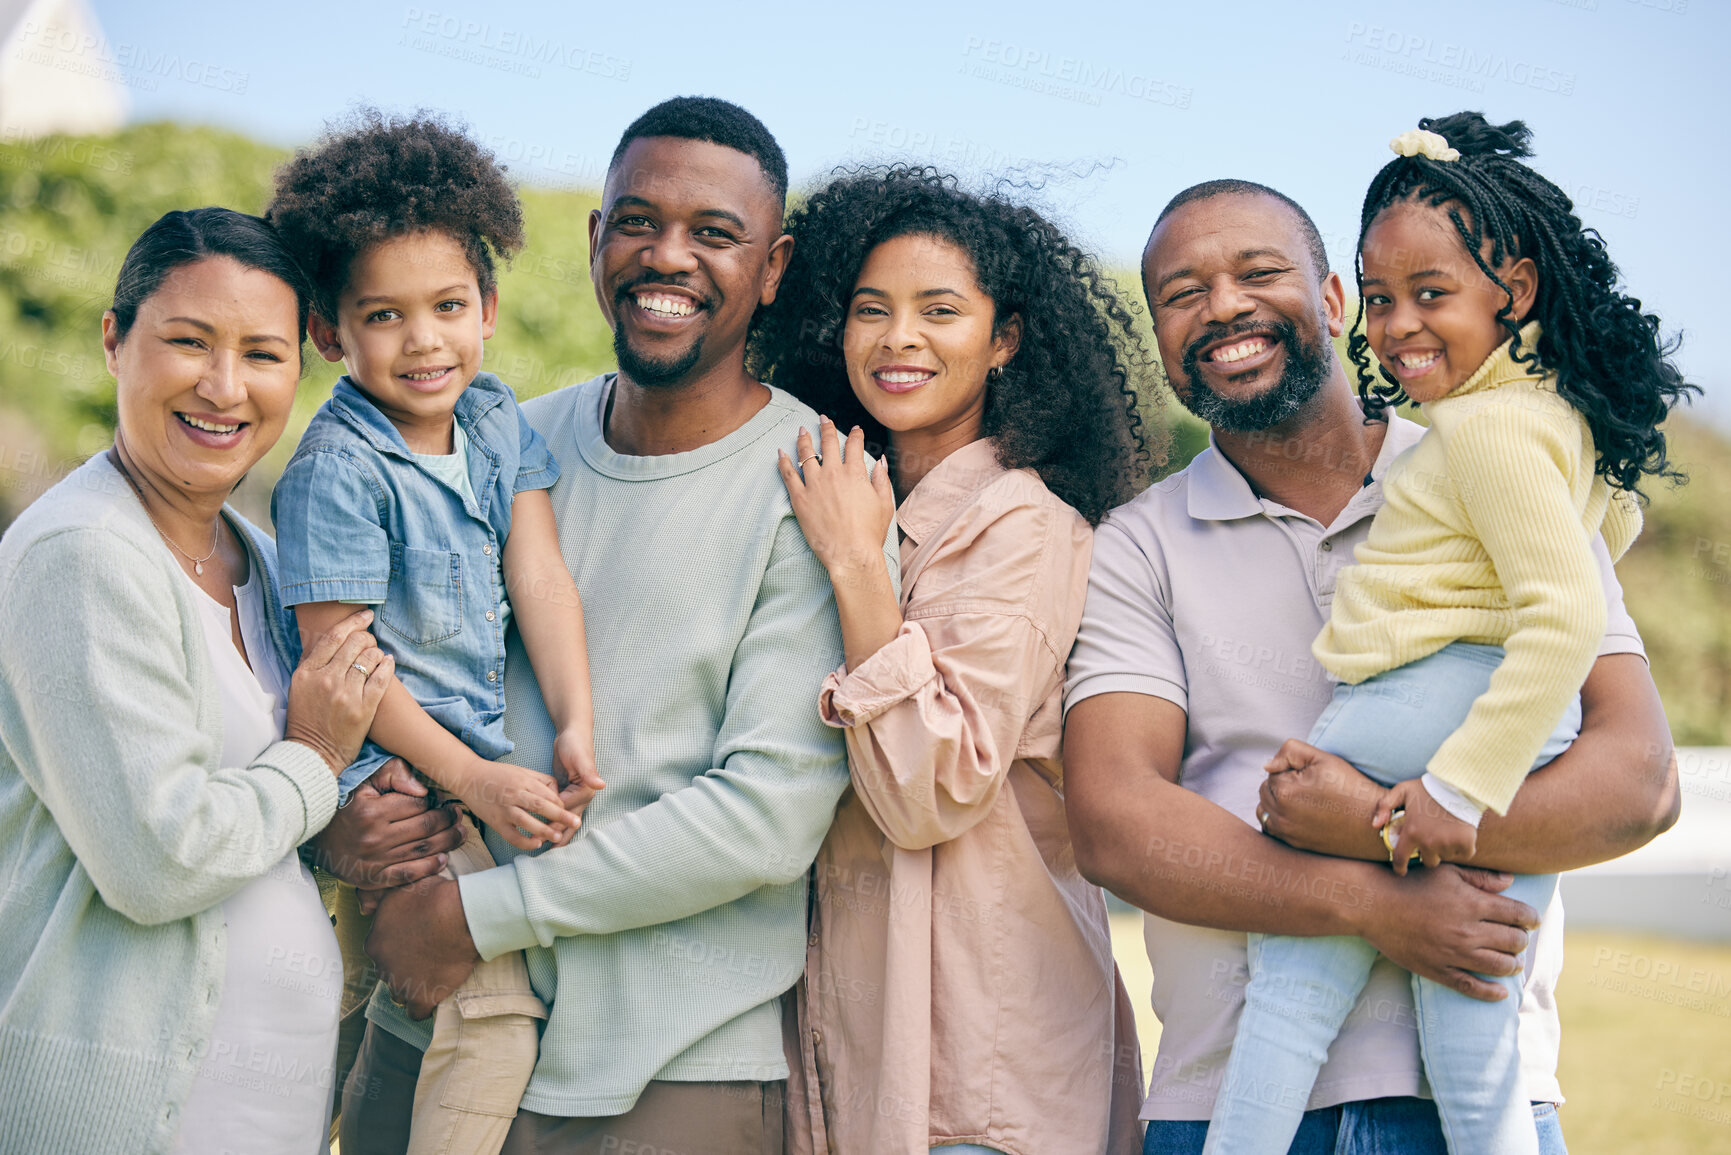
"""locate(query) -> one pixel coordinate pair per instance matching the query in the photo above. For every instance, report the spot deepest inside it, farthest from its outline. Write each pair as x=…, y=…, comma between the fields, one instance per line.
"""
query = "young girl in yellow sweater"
x=1461, y=638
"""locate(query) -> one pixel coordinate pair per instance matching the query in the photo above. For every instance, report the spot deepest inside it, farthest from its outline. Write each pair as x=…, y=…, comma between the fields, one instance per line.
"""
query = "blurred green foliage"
x=70, y=207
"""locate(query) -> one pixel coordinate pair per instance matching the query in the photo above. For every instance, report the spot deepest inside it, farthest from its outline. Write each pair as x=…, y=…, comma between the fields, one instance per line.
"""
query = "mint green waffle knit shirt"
x=663, y=935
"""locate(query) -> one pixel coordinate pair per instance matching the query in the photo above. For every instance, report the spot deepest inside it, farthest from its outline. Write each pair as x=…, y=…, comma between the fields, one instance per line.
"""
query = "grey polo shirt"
x=1205, y=595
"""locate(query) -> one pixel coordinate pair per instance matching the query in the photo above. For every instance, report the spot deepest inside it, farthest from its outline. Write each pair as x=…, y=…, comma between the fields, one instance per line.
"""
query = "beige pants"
x=668, y=1118
x=485, y=1040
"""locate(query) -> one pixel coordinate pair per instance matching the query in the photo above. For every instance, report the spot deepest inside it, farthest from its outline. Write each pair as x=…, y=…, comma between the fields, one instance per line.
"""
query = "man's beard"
x=649, y=372
x=1306, y=371
x=654, y=373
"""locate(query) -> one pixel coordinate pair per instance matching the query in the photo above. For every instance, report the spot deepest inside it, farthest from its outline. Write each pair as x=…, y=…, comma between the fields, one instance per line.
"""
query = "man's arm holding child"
x=1611, y=792
x=1170, y=851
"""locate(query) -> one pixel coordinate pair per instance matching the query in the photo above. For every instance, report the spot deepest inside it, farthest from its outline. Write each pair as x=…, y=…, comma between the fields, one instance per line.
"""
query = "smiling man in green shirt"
x=664, y=935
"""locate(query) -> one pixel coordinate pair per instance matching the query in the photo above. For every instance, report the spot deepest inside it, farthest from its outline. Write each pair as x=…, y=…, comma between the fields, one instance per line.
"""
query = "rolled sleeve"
x=330, y=524
x=890, y=676
x=536, y=468
x=1128, y=642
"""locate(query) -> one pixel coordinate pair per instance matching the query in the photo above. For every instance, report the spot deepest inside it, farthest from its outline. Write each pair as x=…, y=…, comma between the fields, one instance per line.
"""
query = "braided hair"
x=1609, y=360
x=1065, y=404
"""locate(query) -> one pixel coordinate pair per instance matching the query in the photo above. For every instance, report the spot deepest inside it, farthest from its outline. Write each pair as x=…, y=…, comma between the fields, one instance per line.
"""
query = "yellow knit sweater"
x=1486, y=537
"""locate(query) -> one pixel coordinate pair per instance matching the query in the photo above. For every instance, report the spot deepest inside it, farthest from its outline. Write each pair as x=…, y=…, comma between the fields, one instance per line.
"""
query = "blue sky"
x=1103, y=111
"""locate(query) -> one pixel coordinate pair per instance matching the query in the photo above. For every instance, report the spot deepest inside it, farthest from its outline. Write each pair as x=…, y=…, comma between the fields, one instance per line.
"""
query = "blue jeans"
x=1372, y=1127
x=1301, y=989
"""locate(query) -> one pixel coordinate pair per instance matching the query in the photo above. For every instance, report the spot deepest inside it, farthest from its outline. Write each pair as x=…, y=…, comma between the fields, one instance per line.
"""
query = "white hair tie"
x=1423, y=142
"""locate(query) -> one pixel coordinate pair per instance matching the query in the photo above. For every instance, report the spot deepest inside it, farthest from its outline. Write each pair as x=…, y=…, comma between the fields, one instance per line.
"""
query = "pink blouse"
x=959, y=983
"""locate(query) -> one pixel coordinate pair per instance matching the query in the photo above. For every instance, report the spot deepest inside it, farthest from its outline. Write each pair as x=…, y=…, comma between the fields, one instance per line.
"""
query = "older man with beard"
x=664, y=935
x=1193, y=665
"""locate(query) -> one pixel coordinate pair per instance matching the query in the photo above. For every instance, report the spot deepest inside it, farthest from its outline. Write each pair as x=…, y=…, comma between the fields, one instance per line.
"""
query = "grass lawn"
x=1646, y=1059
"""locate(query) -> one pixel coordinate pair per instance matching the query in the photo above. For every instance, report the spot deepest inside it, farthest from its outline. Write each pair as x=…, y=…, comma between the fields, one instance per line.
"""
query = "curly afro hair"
x=1064, y=405
x=374, y=177
x=1610, y=361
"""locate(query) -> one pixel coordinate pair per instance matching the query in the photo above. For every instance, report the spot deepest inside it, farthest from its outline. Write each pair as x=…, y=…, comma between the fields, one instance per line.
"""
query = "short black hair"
x=716, y=121
x=372, y=177
x=185, y=237
x=1210, y=189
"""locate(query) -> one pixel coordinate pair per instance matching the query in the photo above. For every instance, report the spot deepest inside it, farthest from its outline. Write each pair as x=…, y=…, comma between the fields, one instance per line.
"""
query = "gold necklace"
x=215, y=532
x=197, y=562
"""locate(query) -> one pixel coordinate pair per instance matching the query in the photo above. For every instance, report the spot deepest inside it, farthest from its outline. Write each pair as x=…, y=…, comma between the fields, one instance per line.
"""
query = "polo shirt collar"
x=952, y=482
x=359, y=413
x=1219, y=492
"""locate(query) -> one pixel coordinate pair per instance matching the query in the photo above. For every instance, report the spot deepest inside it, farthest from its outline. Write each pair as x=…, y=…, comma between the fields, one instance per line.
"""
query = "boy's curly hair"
x=372, y=177
x=1064, y=405
x=1610, y=361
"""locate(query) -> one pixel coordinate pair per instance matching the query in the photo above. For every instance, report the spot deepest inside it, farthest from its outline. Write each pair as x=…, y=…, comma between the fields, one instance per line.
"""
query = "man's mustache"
x=1193, y=351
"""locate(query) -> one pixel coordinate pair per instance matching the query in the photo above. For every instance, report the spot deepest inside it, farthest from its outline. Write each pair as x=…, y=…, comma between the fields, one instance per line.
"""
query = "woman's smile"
x=902, y=378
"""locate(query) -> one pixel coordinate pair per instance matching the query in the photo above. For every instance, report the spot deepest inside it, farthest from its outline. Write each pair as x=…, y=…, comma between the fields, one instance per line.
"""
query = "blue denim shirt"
x=359, y=520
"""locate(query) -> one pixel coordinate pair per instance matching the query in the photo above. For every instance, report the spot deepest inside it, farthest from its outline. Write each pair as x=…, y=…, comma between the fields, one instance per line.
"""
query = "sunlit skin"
x=1430, y=311
x=685, y=247
x=700, y=223
x=217, y=343
x=920, y=338
x=1431, y=319
x=1221, y=269
x=409, y=329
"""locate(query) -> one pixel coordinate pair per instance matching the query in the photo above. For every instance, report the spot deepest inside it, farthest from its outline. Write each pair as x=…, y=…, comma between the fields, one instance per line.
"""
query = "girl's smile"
x=1431, y=314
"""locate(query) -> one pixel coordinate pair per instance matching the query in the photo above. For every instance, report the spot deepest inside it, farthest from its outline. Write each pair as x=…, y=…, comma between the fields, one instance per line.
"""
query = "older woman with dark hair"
x=960, y=991
x=169, y=980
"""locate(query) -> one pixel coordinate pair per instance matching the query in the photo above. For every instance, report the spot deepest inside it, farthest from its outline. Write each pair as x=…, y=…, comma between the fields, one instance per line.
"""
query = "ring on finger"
x=817, y=457
x=365, y=673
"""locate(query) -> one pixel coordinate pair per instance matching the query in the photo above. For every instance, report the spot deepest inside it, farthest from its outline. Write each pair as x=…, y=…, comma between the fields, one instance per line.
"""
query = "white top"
x=266, y=1081
x=1208, y=596
x=451, y=468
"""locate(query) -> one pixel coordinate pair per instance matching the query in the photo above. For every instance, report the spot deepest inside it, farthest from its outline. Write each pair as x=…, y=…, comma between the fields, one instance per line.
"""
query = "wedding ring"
x=365, y=673
x=817, y=457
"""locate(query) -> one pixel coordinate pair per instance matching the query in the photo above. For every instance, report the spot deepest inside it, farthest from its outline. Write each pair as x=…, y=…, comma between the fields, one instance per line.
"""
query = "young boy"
x=420, y=489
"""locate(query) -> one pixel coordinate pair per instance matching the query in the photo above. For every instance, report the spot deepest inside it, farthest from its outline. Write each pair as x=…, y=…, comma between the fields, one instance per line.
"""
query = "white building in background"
x=57, y=74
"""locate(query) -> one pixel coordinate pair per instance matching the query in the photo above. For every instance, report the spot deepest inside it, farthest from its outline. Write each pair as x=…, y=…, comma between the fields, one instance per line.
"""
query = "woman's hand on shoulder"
x=843, y=507
x=336, y=690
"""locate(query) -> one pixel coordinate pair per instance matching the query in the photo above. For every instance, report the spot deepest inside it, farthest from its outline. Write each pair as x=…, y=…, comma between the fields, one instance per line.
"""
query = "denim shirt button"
x=492, y=675
x=489, y=615
x=487, y=549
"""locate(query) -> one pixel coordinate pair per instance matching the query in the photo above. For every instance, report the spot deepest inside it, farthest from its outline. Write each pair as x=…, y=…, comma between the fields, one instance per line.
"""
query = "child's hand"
x=1426, y=829
x=508, y=797
x=574, y=759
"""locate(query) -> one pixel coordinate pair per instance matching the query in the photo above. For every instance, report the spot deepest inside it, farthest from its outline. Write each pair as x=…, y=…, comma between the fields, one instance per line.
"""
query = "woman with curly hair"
x=959, y=990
